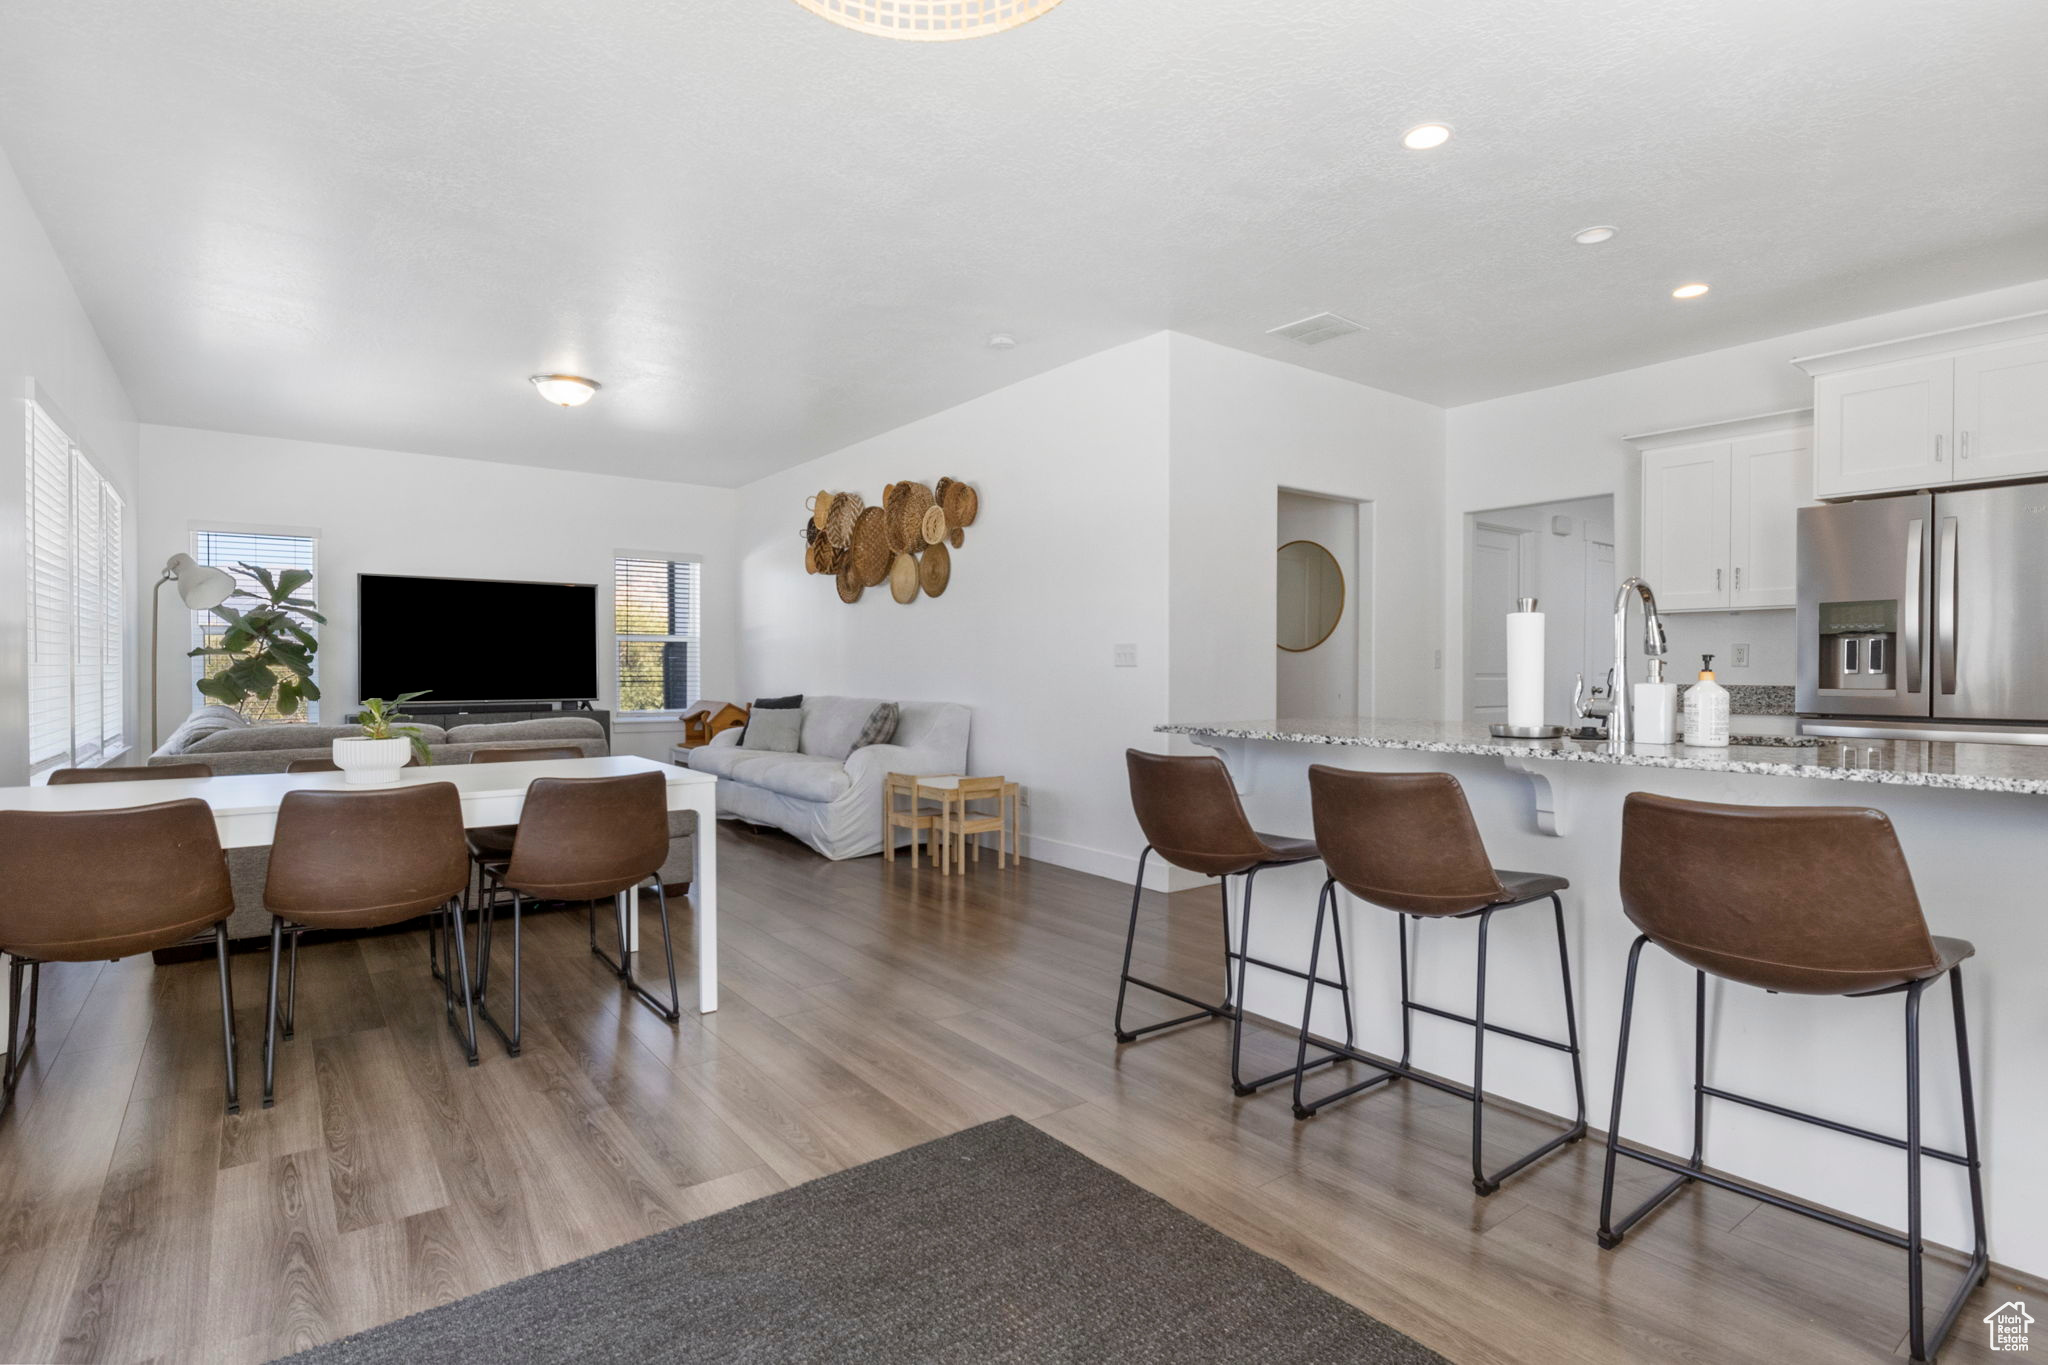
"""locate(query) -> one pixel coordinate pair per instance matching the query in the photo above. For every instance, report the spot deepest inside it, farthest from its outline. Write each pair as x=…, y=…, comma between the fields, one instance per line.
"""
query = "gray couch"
x=219, y=737
x=828, y=793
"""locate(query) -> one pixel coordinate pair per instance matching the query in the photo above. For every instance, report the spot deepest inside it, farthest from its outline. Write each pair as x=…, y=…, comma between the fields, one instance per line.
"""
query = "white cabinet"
x=1720, y=504
x=2002, y=412
x=1957, y=407
x=1883, y=428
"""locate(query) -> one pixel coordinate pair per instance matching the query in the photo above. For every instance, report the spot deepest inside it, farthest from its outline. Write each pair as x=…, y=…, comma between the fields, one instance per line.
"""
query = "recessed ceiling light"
x=1688, y=291
x=568, y=390
x=1001, y=341
x=1426, y=137
x=1592, y=236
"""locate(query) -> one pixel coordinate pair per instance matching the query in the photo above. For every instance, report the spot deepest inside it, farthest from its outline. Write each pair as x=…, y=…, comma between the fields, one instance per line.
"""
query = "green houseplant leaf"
x=263, y=657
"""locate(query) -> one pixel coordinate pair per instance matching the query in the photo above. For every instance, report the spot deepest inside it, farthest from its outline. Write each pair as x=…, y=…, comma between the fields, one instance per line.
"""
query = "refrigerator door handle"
x=1945, y=606
x=1909, y=642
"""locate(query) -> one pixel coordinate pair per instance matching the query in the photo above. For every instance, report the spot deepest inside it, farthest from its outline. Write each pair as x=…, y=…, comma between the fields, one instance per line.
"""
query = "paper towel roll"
x=1525, y=666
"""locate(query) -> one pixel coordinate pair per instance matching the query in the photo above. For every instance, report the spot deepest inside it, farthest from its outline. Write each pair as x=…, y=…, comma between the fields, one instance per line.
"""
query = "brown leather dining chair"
x=1407, y=842
x=582, y=839
x=1801, y=900
x=168, y=772
x=97, y=885
x=359, y=859
x=1188, y=809
x=491, y=845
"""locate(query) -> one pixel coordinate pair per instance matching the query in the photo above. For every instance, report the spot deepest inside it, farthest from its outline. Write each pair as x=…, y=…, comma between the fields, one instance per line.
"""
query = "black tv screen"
x=472, y=639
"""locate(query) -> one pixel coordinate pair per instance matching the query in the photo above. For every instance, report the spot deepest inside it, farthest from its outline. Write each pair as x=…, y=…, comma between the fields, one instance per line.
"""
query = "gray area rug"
x=996, y=1244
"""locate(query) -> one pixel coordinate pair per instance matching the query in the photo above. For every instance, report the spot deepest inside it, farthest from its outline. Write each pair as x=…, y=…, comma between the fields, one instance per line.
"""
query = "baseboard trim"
x=1114, y=866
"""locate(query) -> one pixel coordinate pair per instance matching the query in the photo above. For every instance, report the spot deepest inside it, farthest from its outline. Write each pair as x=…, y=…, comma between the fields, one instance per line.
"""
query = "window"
x=77, y=689
x=230, y=550
x=655, y=617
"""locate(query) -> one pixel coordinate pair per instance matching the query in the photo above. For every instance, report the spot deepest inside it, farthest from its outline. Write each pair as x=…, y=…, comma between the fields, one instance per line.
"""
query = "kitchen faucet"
x=1621, y=722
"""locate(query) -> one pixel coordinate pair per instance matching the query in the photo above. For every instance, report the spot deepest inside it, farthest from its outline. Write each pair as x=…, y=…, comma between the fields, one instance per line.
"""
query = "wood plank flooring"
x=867, y=1007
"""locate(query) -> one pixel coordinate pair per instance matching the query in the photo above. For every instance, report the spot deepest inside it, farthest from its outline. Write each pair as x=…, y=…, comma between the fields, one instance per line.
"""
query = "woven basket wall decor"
x=900, y=539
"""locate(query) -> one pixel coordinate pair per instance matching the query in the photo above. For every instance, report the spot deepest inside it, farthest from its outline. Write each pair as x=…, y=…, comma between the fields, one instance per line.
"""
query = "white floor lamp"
x=200, y=588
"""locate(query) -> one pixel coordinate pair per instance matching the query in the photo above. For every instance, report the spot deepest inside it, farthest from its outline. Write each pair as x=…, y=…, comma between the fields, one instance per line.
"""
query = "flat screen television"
x=476, y=640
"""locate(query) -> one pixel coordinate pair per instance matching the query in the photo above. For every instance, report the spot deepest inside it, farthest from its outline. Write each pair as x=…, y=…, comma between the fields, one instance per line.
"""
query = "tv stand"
x=448, y=715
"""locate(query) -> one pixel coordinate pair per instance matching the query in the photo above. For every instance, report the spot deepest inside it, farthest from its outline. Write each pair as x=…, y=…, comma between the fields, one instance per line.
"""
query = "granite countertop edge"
x=1748, y=760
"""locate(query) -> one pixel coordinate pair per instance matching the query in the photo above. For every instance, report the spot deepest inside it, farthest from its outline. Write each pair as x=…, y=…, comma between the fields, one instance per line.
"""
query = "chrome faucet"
x=1621, y=723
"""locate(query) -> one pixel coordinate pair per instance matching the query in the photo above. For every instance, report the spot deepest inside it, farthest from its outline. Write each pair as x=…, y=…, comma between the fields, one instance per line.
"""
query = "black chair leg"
x=19, y=1041
x=270, y=1015
x=291, y=990
x=1244, y=950
x=227, y=1015
x=1916, y=1311
x=513, y=1038
x=1571, y=1020
x=673, y=1010
x=459, y=937
x=1203, y=1012
x=1480, y=1182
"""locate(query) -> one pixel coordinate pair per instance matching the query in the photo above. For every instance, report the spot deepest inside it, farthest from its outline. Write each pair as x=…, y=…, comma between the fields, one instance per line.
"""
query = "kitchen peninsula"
x=1972, y=824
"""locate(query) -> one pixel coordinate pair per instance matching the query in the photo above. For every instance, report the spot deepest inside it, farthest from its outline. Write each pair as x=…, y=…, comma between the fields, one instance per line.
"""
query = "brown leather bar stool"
x=1407, y=842
x=96, y=885
x=581, y=839
x=1191, y=817
x=357, y=860
x=1804, y=900
x=169, y=772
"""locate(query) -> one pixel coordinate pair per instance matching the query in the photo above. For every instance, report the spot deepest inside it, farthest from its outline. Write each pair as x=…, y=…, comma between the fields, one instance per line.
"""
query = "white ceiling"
x=369, y=221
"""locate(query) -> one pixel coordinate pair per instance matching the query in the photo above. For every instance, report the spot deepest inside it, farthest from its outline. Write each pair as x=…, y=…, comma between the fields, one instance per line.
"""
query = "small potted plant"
x=375, y=758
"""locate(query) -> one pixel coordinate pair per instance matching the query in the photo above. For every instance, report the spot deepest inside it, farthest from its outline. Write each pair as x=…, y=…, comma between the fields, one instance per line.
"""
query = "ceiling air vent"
x=1314, y=331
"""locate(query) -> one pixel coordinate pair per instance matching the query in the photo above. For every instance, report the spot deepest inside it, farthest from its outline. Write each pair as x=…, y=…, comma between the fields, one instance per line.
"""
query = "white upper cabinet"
x=1719, y=512
x=2002, y=412
x=1685, y=526
x=1884, y=428
x=1963, y=406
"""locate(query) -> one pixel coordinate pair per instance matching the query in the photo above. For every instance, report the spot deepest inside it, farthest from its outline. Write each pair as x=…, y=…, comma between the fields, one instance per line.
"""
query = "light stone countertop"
x=2019, y=769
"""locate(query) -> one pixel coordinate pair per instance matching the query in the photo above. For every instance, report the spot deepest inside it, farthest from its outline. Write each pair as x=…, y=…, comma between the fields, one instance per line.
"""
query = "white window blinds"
x=655, y=610
x=230, y=550
x=77, y=686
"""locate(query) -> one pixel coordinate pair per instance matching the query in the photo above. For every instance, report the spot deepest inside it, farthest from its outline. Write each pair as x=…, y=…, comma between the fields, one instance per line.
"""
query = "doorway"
x=1323, y=620
x=1561, y=554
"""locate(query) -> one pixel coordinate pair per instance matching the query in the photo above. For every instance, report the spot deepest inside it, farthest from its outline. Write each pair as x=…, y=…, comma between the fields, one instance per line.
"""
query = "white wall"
x=46, y=337
x=1328, y=679
x=382, y=511
x=1244, y=427
x=1565, y=442
x=1066, y=560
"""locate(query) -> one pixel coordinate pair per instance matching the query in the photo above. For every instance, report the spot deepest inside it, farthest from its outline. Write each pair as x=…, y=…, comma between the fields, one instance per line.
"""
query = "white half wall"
x=46, y=337
x=383, y=511
x=1066, y=561
x=1565, y=442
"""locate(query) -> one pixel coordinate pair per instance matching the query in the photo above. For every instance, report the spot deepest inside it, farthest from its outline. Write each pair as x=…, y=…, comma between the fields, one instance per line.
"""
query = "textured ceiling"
x=369, y=221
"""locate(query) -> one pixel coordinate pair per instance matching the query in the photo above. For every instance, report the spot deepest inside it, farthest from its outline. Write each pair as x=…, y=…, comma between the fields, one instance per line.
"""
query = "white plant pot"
x=371, y=762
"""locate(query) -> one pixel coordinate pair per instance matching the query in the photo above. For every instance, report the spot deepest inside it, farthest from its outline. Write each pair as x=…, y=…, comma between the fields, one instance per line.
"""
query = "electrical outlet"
x=1124, y=656
x=1741, y=653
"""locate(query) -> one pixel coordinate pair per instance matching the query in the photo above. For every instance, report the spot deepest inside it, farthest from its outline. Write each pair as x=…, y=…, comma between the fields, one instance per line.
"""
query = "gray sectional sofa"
x=219, y=737
x=829, y=793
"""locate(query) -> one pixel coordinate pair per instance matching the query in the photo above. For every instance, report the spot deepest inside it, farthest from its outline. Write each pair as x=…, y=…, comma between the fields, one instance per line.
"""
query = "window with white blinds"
x=655, y=612
x=230, y=550
x=77, y=686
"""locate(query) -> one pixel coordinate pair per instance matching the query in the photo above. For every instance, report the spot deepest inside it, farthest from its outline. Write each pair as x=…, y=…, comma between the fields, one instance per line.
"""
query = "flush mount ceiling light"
x=928, y=20
x=1426, y=137
x=1592, y=236
x=568, y=390
x=1688, y=291
x=1001, y=341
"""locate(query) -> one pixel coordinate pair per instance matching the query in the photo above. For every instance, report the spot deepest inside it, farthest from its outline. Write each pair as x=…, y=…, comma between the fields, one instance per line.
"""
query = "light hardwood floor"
x=867, y=1007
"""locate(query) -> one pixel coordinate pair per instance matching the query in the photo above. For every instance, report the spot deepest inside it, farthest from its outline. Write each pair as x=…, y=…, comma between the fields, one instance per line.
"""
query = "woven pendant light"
x=929, y=20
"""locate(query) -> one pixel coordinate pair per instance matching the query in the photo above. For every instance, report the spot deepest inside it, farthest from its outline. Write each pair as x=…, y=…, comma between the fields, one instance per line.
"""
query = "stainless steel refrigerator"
x=1925, y=616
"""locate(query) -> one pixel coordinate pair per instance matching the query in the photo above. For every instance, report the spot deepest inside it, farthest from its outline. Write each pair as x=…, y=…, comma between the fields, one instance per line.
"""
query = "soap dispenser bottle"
x=1656, y=708
x=1706, y=710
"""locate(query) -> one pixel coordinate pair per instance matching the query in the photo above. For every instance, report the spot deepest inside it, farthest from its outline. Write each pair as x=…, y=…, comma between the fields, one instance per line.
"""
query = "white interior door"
x=1500, y=573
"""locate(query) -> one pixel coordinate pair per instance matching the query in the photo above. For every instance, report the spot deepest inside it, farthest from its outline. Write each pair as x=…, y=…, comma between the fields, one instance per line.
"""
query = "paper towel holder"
x=1501, y=730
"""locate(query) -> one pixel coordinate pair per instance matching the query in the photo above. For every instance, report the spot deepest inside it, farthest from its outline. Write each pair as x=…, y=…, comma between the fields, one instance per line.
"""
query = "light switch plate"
x=1125, y=656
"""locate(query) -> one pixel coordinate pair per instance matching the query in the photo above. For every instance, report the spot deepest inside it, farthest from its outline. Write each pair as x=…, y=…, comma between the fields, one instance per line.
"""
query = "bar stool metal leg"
x=1125, y=981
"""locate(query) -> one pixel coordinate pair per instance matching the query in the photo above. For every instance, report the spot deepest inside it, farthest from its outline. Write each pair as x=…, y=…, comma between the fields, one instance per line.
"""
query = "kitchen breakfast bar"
x=1973, y=823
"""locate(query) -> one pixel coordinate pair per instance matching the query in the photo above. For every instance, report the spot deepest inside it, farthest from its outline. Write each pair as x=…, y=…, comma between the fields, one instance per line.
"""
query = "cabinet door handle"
x=1963, y=445
x=1937, y=450
x=1717, y=580
x=1738, y=578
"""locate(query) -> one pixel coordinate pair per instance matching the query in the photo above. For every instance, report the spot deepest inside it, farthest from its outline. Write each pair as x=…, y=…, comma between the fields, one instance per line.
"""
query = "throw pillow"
x=771, y=704
x=881, y=726
x=205, y=722
x=777, y=730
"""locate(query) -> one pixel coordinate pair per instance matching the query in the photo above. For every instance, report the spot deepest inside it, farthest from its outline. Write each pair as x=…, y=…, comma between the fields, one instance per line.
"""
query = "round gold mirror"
x=1311, y=595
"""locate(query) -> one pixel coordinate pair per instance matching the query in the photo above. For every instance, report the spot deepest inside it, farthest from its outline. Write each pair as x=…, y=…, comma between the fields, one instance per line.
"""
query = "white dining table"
x=245, y=812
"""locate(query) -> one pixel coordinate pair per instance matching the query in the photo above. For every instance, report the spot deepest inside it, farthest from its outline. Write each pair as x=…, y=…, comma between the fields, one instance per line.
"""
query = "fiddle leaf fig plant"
x=268, y=646
x=380, y=719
